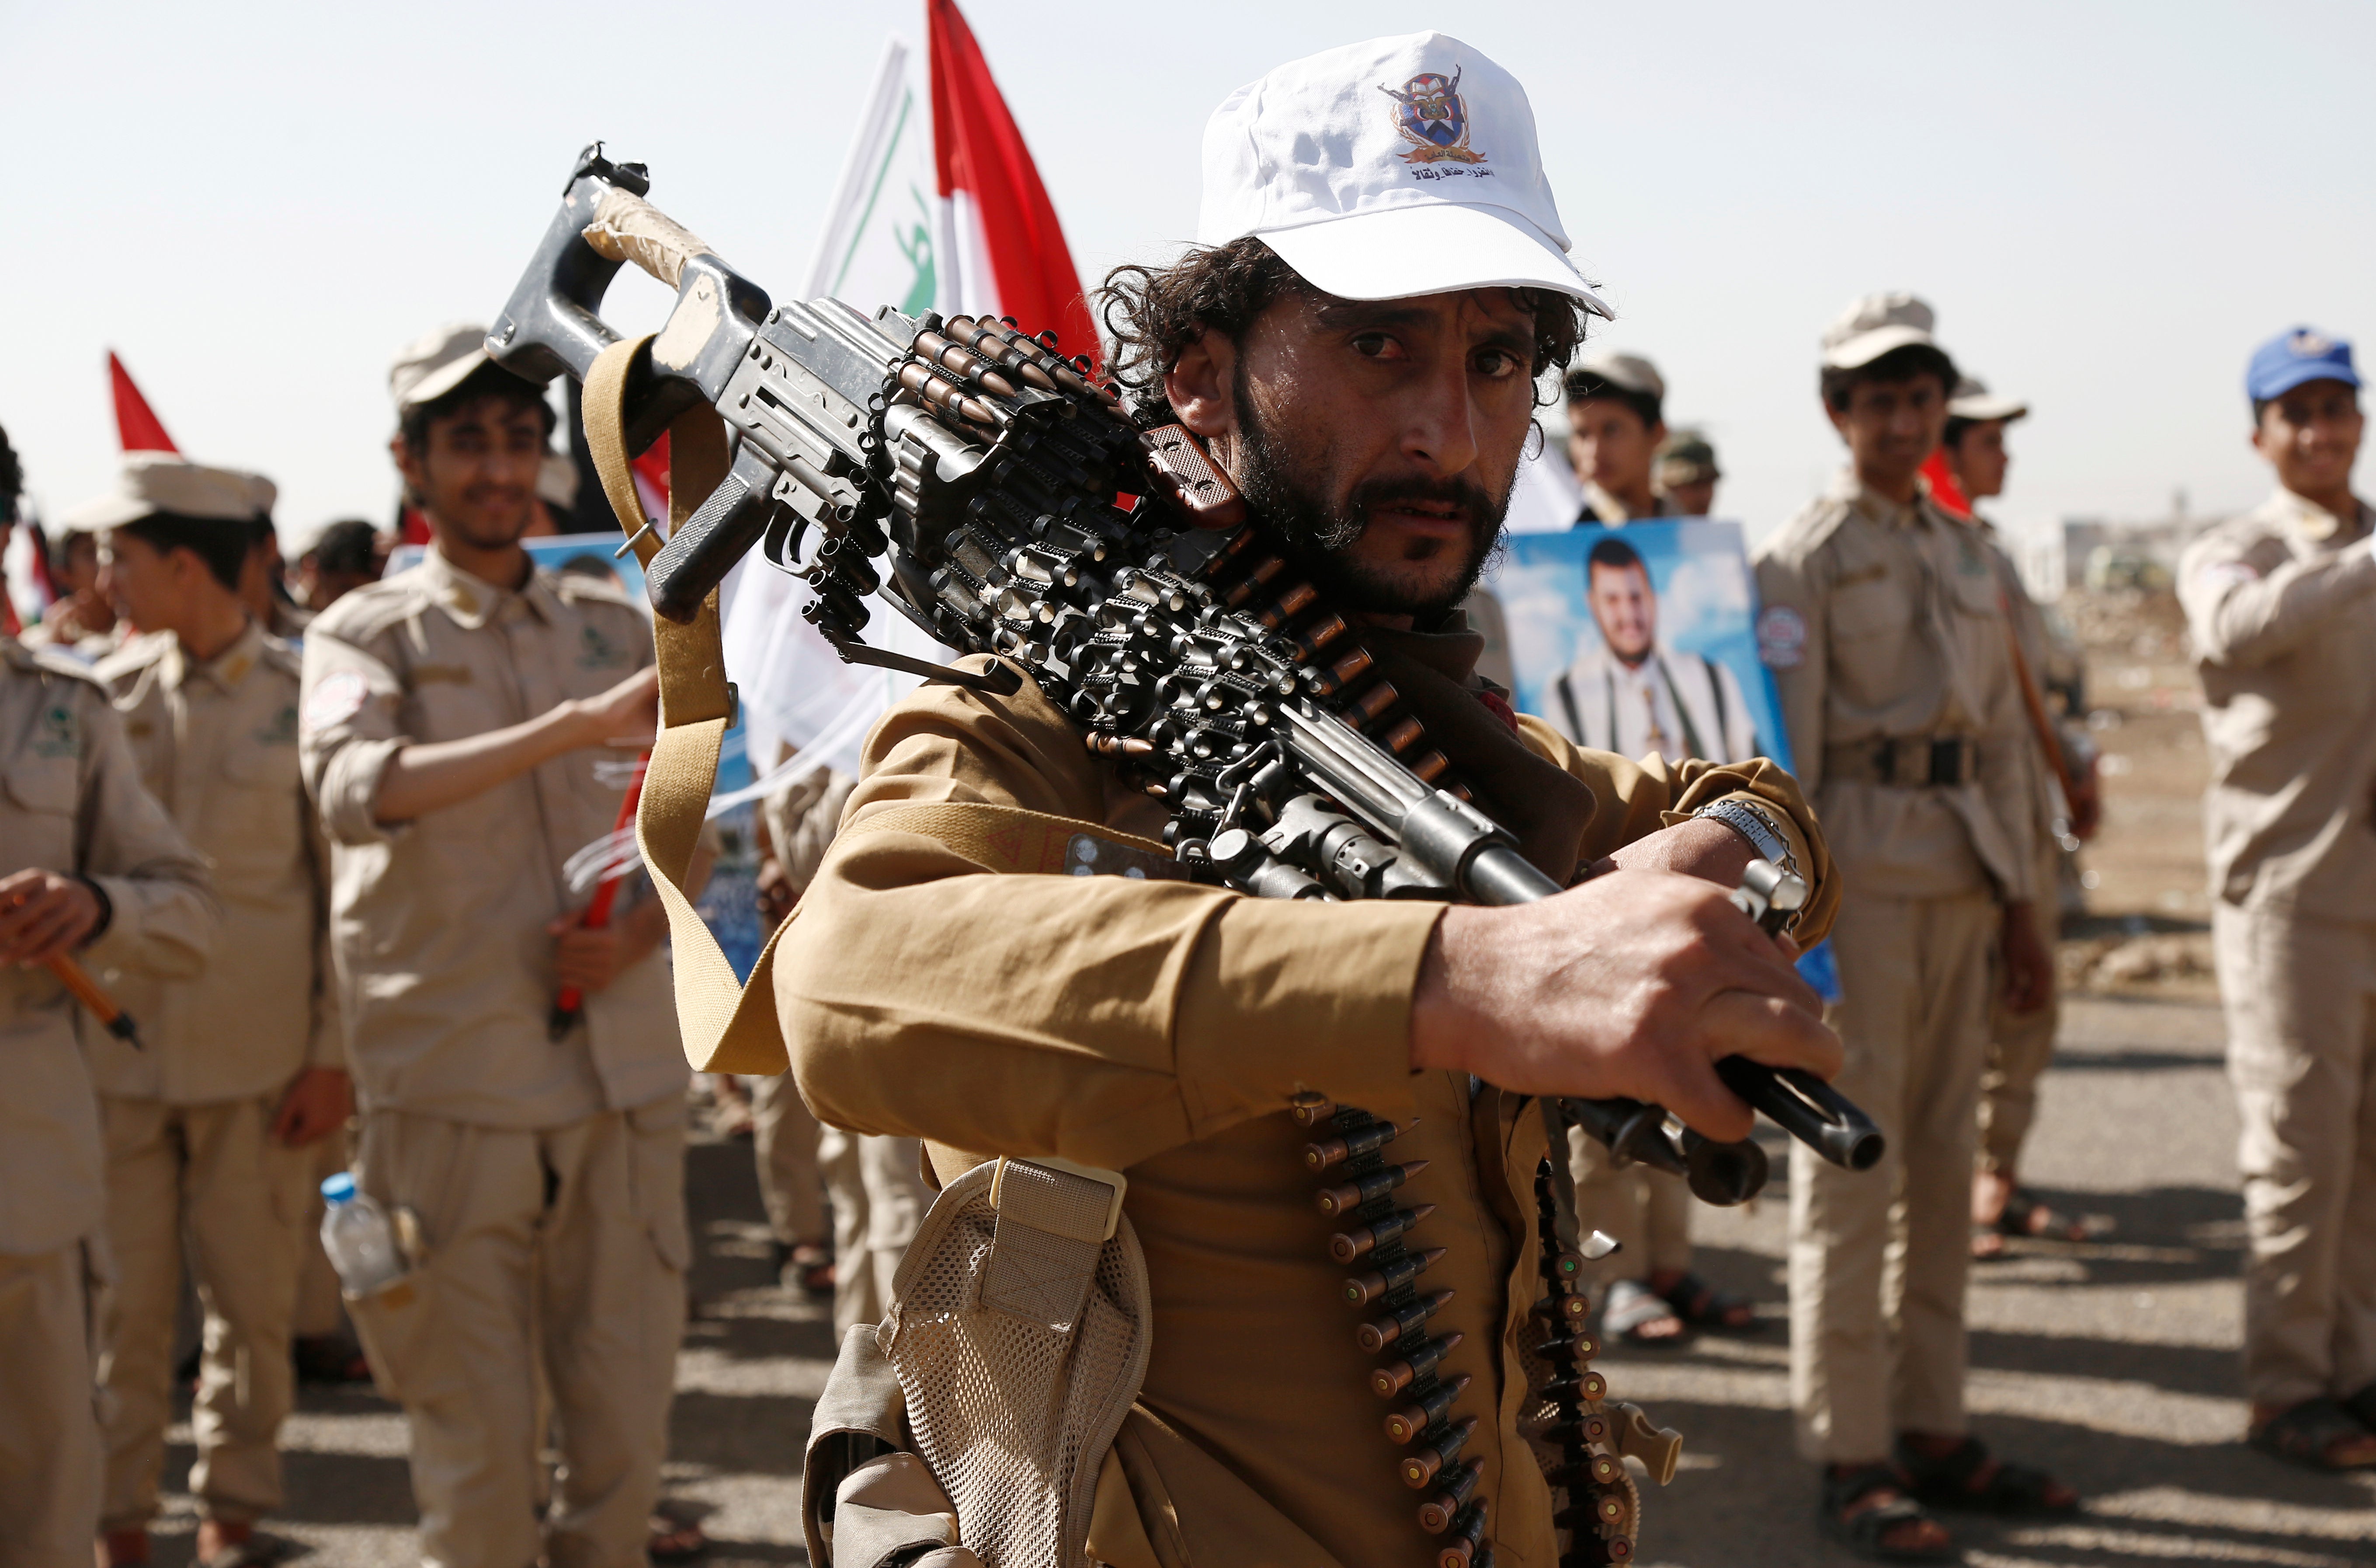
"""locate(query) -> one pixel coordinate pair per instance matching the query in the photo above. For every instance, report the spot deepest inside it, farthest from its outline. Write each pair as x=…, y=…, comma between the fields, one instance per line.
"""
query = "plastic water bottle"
x=356, y=1235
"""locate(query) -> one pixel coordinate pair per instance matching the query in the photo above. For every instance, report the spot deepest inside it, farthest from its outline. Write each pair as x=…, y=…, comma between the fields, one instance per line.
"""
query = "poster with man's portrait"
x=1642, y=639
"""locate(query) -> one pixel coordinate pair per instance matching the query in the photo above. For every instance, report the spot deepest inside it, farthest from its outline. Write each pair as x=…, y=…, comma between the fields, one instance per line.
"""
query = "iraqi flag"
x=938, y=207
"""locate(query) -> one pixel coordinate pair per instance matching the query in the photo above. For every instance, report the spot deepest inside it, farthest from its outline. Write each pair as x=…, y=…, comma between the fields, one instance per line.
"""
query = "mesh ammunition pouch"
x=970, y=1425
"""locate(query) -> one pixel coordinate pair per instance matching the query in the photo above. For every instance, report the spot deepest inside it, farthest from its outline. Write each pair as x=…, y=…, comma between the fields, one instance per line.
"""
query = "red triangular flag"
x=1946, y=489
x=137, y=428
x=1000, y=208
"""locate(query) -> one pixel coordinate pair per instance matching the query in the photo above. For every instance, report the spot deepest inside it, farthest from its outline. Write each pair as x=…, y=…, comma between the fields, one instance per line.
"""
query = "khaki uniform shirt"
x=444, y=969
x=2037, y=645
x=1160, y=1028
x=217, y=744
x=1599, y=506
x=70, y=801
x=1887, y=621
x=2281, y=608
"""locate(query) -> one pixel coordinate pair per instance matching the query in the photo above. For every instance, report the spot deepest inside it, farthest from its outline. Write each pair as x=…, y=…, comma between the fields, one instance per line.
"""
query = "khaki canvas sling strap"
x=728, y=1027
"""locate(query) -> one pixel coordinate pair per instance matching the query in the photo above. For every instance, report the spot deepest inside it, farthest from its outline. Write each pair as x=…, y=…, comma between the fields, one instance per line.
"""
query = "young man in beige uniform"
x=92, y=869
x=1884, y=625
x=2281, y=608
x=1372, y=398
x=2020, y=1043
x=1616, y=420
x=240, y=1069
x=452, y=719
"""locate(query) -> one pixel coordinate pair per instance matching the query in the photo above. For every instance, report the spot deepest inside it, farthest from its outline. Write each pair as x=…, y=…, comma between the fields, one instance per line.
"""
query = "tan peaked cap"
x=152, y=482
x=434, y=363
x=1686, y=458
x=1973, y=400
x=1874, y=326
x=1629, y=372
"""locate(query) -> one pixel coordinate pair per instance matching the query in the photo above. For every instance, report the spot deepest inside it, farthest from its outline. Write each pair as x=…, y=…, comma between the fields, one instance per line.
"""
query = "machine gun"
x=977, y=479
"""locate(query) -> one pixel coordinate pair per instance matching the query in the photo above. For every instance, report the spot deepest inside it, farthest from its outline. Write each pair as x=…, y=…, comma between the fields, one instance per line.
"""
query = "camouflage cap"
x=1874, y=326
x=1973, y=400
x=165, y=481
x=1687, y=459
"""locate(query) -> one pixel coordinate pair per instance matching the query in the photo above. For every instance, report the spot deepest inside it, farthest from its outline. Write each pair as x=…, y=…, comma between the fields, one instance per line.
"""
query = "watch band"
x=1765, y=835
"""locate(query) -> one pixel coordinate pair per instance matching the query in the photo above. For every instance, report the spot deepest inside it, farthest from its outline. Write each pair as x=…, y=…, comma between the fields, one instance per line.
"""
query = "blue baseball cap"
x=2292, y=357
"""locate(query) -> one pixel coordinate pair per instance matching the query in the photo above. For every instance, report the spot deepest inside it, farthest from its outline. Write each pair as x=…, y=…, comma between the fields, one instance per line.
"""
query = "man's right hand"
x=1634, y=984
x=627, y=716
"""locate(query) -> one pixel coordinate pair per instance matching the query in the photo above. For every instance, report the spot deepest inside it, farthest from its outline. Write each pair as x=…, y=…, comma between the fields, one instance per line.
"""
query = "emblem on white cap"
x=1440, y=188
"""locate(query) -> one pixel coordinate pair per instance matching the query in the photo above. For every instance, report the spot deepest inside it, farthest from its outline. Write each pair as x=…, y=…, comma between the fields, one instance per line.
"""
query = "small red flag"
x=137, y=428
x=1946, y=489
x=983, y=165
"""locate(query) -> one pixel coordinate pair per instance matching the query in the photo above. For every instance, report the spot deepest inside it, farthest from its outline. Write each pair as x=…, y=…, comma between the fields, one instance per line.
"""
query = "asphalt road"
x=2112, y=1362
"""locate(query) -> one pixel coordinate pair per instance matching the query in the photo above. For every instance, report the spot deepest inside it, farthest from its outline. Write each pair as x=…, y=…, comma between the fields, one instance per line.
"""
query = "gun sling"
x=728, y=1027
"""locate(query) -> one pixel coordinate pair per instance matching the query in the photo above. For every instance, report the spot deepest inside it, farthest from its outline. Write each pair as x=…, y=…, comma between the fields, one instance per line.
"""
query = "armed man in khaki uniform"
x=451, y=720
x=2281, y=608
x=1883, y=622
x=209, y=1121
x=93, y=874
x=1362, y=366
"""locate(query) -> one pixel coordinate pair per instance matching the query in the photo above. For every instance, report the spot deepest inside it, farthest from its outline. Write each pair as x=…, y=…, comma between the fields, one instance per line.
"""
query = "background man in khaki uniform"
x=2281, y=607
x=240, y=1069
x=1883, y=624
x=1616, y=420
x=927, y=996
x=447, y=730
x=93, y=869
x=2020, y=1044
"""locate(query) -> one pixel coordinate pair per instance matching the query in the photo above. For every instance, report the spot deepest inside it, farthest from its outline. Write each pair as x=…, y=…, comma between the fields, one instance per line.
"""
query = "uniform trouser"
x=1877, y=1259
x=569, y=1242
x=879, y=1199
x=2021, y=1044
x=785, y=1142
x=319, y=1313
x=216, y=1175
x=2300, y=996
x=50, y=1311
x=1646, y=1212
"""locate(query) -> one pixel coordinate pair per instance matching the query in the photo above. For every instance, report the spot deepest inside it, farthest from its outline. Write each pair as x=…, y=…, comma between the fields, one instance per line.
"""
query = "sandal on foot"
x=2319, y=1434
x=675, y=1540
x=1866, y=1531
x=1632, y=1307
x=1702, y=1305
x=1966, y=1478
x=2033, y=1218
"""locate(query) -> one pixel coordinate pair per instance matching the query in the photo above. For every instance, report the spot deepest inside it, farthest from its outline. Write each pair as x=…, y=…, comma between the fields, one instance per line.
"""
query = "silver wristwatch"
x=1765, y=835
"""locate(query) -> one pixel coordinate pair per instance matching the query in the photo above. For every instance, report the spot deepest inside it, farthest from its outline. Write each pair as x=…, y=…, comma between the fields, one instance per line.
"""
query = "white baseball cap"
x=1384, y=169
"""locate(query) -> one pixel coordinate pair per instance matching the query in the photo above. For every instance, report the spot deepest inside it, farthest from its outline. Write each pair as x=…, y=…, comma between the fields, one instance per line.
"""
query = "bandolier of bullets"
x=1386, y=1290
x=1603, y=1507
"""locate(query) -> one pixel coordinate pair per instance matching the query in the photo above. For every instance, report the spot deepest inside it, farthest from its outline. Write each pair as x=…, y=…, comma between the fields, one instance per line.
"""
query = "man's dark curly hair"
x=1154, y=314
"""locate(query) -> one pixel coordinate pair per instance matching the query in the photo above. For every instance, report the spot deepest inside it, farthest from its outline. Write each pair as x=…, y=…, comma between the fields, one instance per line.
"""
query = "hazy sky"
x=255, y=205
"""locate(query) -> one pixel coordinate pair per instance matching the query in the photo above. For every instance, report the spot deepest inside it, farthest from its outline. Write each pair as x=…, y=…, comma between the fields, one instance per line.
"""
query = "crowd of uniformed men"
x=319, y=863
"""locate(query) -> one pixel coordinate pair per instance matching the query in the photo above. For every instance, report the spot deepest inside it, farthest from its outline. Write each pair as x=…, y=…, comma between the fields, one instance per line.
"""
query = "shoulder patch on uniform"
x=581, y=587
x=1781, y=637
x=335, y=697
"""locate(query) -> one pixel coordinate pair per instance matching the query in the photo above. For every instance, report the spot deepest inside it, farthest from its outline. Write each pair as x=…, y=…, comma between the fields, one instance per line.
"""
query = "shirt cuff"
x=1284, y=997
x=350, y=793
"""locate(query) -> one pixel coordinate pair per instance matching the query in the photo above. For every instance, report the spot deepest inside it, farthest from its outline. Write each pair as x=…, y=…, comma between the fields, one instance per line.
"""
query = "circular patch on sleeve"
x=1782, y=637
x=336, y=698
x=2221, y=576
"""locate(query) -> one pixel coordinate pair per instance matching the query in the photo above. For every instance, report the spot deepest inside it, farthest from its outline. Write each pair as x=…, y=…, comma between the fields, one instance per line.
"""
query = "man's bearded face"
x=1324, y=523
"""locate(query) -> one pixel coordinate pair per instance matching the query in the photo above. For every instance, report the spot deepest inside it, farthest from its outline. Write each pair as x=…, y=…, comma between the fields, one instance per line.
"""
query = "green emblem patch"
x=596, y=651
x=58, y=733
x=282, y=731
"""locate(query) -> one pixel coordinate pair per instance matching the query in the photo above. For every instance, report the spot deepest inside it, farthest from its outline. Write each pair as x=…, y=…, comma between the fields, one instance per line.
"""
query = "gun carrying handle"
x=628, y=228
